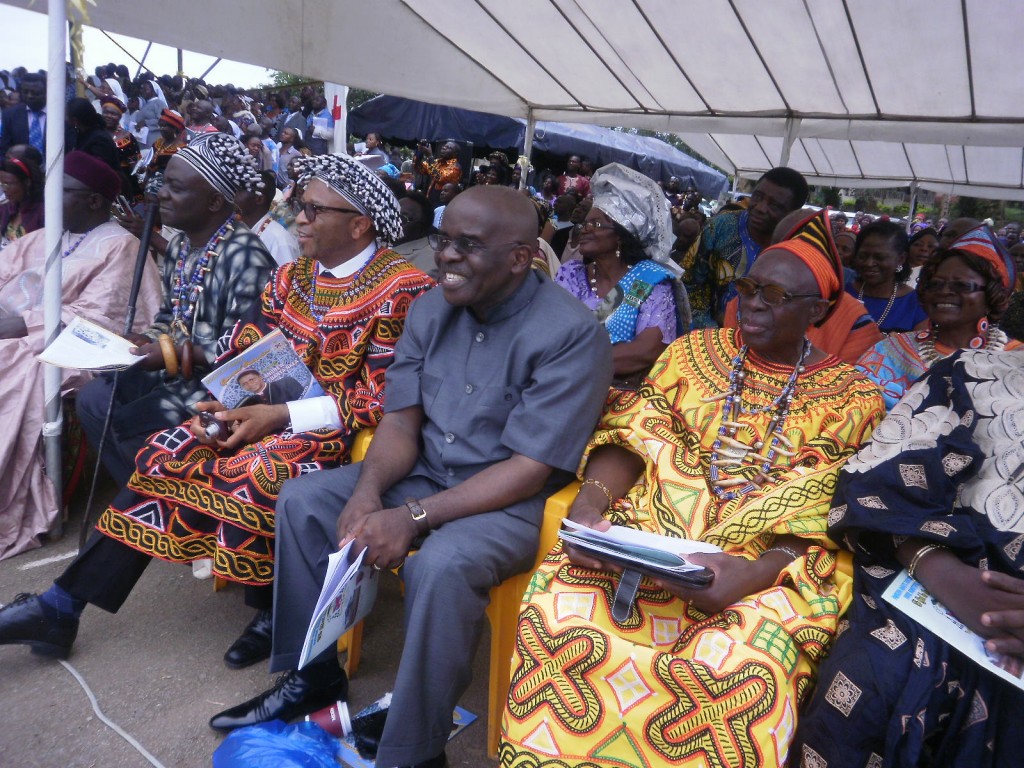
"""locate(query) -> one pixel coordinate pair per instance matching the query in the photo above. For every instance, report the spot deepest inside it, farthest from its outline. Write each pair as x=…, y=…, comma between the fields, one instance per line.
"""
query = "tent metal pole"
x=142, y=63
x=792, y=124
x=209, y=69
x=54, y=196
x=913, y=204
x=524, y=159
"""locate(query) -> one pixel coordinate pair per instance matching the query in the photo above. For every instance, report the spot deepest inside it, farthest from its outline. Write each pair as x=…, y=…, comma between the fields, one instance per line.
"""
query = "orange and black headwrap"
x=811, y=242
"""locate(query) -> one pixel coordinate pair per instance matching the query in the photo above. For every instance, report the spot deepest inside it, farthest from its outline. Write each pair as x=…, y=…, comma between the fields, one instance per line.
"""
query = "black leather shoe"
x=253, y=644
x=290, y=698
x=27, y=622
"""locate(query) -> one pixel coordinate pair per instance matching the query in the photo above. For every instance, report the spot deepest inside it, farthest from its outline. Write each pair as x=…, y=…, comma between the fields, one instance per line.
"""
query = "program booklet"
x=907, y=594
x=661, y=557
x=89, y=347
x=269, y=372
x=346, y=597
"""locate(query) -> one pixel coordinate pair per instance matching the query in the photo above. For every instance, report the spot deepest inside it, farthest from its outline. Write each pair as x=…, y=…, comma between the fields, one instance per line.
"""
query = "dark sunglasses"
x=771, y=294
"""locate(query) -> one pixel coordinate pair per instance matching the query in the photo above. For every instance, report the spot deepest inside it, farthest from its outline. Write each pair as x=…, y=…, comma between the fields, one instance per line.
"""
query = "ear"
x=217, y=202
x=360, y=226
x=818, y=310
x=522, y=257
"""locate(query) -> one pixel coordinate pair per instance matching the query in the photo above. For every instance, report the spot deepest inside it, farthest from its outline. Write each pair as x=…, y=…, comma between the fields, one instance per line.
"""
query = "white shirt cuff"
x=314, y=413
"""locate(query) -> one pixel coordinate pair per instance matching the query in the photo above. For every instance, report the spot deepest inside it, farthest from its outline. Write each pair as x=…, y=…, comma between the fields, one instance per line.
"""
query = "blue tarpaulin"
x=408, y=120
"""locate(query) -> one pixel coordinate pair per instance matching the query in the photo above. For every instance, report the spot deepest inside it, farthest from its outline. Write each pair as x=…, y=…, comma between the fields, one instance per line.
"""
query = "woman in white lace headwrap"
x=625, y=274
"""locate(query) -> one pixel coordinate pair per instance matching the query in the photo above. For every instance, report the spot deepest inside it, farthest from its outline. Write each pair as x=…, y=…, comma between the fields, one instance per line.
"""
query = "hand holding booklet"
x=346, y=597
x=659, y=557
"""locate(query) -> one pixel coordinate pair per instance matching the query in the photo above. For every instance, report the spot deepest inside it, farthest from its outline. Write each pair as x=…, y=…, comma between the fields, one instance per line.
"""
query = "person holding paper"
x=342, y=305
x=214, y=273
x=97, y=260
x=498, y=380
x=939, y=491
x=734, y=439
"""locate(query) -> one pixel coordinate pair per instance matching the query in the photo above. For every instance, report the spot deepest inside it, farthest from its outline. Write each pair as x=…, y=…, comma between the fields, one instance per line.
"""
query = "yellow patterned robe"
x=673, y=686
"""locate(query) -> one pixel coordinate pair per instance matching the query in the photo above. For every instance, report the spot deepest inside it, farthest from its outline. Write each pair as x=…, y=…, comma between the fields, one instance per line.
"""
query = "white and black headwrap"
x=225, y=164
x=360, y=186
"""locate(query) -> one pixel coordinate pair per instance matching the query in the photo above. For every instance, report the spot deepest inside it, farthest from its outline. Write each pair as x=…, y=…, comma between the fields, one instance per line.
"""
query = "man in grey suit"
x=498, y=381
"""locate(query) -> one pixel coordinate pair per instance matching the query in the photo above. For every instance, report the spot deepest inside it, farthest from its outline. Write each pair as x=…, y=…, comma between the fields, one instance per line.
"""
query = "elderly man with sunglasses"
x=497, y=383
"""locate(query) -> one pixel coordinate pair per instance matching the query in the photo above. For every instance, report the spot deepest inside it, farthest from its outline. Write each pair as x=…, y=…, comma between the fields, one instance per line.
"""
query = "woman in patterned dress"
x=735, y=439
x=937, y=491
x=965, y=290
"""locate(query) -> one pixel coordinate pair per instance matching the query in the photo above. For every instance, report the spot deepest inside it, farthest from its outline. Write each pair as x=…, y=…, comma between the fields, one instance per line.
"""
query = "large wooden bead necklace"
x=185, y=293
x=728, y=451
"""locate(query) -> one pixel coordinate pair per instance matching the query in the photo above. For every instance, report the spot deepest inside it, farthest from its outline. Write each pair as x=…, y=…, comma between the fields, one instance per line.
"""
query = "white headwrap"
x=637, y=204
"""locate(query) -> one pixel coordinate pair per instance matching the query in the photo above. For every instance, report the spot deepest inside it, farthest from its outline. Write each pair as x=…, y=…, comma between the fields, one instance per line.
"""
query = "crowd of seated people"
x=820, y=402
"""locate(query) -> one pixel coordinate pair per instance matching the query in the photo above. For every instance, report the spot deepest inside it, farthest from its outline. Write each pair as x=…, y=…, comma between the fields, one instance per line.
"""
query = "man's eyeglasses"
x=312, y=210
x=955, y=286
x=462, y=245
x=771, y=294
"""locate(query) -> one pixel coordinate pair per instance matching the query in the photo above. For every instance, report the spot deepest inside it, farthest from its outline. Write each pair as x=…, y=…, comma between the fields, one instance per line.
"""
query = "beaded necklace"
x=318, y=310
x=185, y=294
x=888, y=307
x=727, y=451
x=72, y=248
x=926, y=342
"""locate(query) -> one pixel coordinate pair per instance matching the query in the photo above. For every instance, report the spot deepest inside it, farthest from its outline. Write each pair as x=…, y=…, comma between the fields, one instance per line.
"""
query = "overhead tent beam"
x=531, y=127
x=672, y=55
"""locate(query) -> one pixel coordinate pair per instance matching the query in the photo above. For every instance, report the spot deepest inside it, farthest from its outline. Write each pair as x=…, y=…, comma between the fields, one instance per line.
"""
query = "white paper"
x=348, y=593
x=907, y=594
x=622, y=535
x=89, y=347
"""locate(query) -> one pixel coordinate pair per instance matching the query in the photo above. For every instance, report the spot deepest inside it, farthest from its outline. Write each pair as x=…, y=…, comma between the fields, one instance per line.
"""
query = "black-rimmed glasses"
x=462, y=245
x=938, y=285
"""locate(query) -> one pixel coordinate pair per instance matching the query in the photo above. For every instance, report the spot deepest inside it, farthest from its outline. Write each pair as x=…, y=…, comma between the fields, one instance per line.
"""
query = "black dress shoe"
x=292, y=696
x=27, y=622
x=253, y=644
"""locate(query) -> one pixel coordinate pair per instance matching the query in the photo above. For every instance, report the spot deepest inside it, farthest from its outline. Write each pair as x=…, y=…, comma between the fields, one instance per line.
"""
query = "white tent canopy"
x=850, y=92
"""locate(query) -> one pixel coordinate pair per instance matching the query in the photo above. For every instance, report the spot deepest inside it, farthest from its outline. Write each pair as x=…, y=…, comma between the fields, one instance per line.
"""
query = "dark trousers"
x=106, y=571
x=118, y=455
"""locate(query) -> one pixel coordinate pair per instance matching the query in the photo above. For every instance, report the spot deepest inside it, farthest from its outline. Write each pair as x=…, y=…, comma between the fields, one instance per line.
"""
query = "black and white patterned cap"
x=360, y=186
x=225, y=164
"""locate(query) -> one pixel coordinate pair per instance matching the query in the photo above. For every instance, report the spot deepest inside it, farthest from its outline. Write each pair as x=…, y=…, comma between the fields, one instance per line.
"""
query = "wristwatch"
x=419, y=515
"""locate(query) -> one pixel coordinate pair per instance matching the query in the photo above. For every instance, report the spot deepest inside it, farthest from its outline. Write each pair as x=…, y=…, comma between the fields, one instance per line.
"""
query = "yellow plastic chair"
x=503, y=613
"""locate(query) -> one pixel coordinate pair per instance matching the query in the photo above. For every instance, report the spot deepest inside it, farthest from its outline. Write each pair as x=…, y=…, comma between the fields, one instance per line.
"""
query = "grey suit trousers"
x=446, y=593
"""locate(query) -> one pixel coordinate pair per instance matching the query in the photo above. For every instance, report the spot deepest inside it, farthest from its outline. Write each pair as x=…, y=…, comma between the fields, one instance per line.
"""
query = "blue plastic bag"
x=276, y=745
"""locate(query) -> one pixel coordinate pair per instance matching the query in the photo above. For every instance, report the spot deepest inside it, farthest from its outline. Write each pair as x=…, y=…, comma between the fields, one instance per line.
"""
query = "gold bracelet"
x=170, y=354
x=599, y=484
x=919, y=556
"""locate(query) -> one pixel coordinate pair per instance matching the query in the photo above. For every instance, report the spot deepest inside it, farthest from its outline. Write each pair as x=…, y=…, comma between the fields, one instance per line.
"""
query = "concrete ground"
x=157, y=671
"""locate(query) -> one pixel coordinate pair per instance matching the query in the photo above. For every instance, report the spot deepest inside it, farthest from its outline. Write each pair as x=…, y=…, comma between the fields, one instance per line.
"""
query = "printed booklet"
x=661, y=557
x=347, y=596
x=89, y=347
x=269, y=371
x=907, y=594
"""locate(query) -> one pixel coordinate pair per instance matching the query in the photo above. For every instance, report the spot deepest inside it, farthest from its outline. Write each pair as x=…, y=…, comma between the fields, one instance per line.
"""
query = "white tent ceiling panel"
x=996, y=165
x=996, y=49
x=833, y=30
x=784, y=35
x=730, y=76
x=882, y=159
x=715, y=54
x=900, y=57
